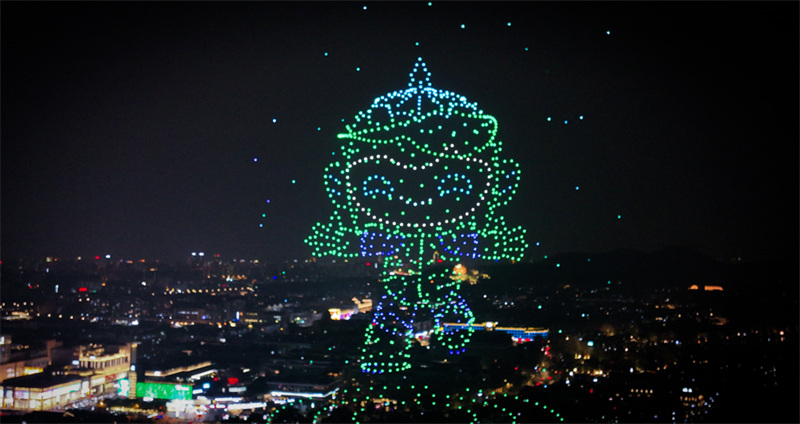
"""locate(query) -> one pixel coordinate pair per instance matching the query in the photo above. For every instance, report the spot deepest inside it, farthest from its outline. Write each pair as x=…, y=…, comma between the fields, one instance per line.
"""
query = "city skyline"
x=156, y=130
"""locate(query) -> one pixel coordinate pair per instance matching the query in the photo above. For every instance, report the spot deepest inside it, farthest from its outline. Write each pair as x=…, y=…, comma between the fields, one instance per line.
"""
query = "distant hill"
x=670, y=267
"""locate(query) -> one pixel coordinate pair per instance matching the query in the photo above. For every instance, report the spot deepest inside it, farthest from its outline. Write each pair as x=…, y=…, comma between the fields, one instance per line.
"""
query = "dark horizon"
x=153, y=130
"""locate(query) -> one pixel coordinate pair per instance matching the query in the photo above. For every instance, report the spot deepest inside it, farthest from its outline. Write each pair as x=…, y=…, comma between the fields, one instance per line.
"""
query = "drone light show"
x=419, y=181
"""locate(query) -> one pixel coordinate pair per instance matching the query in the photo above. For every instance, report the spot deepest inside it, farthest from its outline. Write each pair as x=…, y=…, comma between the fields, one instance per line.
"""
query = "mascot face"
x=436, y=193
x=418, y=158
x=418, y=169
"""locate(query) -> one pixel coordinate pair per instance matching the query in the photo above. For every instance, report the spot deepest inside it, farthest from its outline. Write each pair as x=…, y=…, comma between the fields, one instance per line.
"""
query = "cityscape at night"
x=264, y=212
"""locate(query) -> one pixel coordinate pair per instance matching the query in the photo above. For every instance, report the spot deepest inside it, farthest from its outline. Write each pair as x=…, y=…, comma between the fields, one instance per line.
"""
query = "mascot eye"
x=375, y=185
x=457, y=184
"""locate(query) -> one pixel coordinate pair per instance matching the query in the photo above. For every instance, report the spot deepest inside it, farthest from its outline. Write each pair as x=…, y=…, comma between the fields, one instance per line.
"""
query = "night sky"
x=153, y=130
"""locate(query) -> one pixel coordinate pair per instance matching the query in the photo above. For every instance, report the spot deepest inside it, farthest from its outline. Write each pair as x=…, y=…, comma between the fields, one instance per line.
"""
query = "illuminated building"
x=316, y=387
x=471, y=276
x=344, y=313
x=317, y=393
x=364, y=305
x=190, y=316
x=190, y=372
x=692, y=402
x=17, y=361
x=301, y=318
x=104, y=367
x=133, y=374
x=95, y=357
x=337, y=314
x=518, y=334
x=641, y=392
x=96, y=371
x=171, y=391
x=706, y=288
x=175, y=382
x=42, y=392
